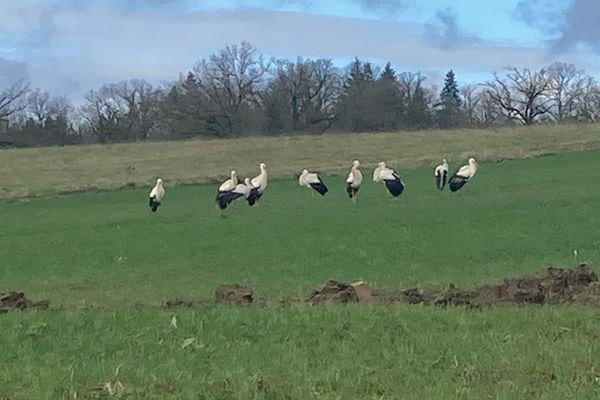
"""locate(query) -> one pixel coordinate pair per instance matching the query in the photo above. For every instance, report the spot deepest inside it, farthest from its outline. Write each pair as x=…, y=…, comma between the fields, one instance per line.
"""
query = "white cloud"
x=89, y=45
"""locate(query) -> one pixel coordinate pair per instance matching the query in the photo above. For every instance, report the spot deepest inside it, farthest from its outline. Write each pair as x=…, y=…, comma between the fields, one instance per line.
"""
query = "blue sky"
x=72, y=46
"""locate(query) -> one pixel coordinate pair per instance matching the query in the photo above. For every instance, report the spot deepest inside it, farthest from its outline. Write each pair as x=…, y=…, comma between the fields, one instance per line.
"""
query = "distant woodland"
x=240, y=92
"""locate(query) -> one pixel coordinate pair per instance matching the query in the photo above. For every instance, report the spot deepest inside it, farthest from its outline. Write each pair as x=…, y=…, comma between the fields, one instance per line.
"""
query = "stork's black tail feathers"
x=234, y=196
x=319, y=187
x=350, y=190
x=395, y=187
x=153, y=204
x=223, y=199
x=456, y=182
x=253, y=196
x=440, y=180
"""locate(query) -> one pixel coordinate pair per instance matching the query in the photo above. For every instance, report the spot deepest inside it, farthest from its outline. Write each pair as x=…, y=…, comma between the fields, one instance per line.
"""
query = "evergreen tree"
x=389, y=105
x=183, y=110
x=388, y=73
x=449, y=113
x=418, y=109
x=358, y=107
x=355, y=74
x=450, y=93
x=367, y=73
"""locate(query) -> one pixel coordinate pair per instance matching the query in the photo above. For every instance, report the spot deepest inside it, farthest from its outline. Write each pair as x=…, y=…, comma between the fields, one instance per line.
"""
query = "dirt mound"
x=364, y=292
x=17, y=301
x=335, y=292
x=589, y=297
x=578, y=285
x=234, y=294
x=453, y=296
x=175, y=303
x=548, y=286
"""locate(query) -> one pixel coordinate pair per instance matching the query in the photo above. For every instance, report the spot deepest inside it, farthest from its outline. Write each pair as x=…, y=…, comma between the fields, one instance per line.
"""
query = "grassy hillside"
x=106, y=249
x=320, y=353
x=95, y=255
x=35, y=172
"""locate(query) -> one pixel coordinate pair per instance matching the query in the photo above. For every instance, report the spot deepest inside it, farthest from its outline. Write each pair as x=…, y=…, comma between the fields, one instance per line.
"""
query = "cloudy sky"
x=71, y=46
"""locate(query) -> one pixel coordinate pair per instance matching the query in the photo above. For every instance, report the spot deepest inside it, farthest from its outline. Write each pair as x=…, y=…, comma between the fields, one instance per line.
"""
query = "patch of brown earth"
x=333, y=292
x=364, y=292
x=578, y=285
x=234, y=294
x=17, y=301
x=175, y=303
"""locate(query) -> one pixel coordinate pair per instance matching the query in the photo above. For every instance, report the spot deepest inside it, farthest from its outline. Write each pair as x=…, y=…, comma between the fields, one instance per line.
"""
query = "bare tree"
x=588, y=100
x=38, y=105
x=409, y=83
x=471, y=98
x=13, y=99
x=566, y=83
x=232, y=79
x=303, y=95
x=41, y=106
x=416, y=99
x=126, y=110
x=141, y=104
x=103, y=112
x=491, y=112
x=521, y=94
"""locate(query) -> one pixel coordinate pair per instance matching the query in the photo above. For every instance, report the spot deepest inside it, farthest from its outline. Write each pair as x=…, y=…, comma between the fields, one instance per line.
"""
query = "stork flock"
x=252, y=189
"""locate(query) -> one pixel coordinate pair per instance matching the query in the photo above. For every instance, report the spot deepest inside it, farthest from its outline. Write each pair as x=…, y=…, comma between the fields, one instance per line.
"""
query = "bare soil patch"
x=333, y=292
x=234, y=294
x=17, y=301
x=577, y=285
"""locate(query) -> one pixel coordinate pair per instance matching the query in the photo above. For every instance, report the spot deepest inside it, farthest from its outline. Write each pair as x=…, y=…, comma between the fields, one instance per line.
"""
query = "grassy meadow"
x=354, y=352
x=106, y=249
x=99, y=256
x=45, y=171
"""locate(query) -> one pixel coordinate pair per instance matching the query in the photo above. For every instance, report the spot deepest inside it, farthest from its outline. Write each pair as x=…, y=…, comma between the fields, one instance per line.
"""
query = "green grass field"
x=354, y=352
x=106, y=249
x=95, y=255
x=45, y=171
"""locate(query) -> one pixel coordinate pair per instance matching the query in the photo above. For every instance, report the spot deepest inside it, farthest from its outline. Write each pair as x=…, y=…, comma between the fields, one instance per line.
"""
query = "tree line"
x=238, y=91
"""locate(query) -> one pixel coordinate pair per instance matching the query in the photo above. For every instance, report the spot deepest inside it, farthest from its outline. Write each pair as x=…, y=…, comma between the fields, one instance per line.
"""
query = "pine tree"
x=449, y=114
x=358, y=107
x=450, y=93
x=418, y=109
x=389, y=105
x=388, y=73
x=183, y=109
x=367, y=72
x=355, y=73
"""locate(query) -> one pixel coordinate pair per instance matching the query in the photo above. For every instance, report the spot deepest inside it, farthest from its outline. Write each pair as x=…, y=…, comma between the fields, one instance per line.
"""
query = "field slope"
x=107, y=249
x=105, y=263
x=36, y=172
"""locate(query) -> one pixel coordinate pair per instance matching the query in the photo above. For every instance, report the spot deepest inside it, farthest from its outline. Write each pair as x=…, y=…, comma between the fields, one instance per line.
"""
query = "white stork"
x=441, y=174
x=391, y=179
x=463, y=175
x=312, y=180
x=259, y=184
x=354, y=180
x=241, y=190
x=156, y=195
x=224, y=193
